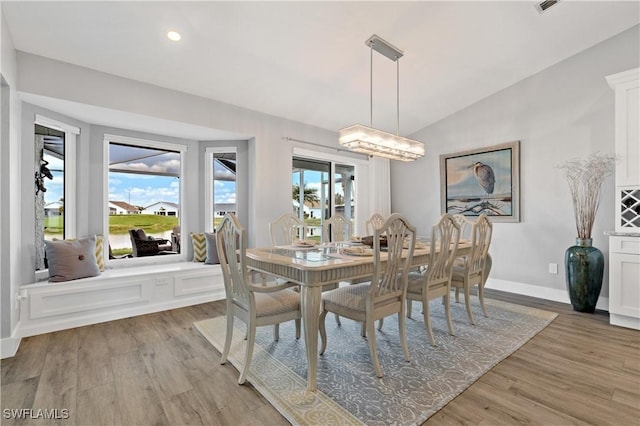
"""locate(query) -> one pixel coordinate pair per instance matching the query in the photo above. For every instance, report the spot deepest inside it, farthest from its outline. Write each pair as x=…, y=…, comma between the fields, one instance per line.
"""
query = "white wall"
x=9, y=200
x=563, y=112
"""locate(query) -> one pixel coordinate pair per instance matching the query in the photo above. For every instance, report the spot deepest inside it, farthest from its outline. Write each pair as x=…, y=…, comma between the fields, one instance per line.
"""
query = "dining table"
x=314, y=267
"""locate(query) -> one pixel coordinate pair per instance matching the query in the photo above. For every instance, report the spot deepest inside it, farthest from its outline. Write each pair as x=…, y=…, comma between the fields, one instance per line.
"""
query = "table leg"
x=310, y=304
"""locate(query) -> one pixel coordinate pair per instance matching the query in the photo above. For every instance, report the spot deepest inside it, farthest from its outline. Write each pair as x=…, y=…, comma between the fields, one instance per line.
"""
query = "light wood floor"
x=157, y=369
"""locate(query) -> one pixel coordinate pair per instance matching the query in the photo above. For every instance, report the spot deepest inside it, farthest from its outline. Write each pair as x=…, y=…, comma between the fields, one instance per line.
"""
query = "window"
x=55, y=195
x=323, y=192
x=221, y=188
x=144, y=197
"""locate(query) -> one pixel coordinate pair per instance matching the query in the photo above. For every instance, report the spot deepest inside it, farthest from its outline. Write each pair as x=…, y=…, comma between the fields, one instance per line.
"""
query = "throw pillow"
x=70, y=260
x=99, y=250
x=212, y=249
x=199, y=247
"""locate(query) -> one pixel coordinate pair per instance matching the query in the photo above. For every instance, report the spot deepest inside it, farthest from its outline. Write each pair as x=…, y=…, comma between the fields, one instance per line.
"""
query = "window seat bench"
x=115, y=294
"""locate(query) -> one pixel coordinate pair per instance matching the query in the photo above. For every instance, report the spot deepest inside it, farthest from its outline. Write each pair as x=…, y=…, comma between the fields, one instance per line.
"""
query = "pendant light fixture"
x=371, y=141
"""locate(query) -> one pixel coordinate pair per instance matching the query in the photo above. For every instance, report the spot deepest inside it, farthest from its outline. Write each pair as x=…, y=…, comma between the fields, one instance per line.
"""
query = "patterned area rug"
x=409, y=393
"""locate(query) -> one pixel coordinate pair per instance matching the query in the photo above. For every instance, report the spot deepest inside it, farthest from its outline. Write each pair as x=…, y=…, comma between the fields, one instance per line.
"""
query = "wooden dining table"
x=315, y=267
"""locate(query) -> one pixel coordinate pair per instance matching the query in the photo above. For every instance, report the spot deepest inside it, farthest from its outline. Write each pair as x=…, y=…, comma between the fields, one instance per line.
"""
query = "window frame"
x=70, y=175
x=70, y=170
x=362, y=187
x=209, y=211
x=150, y=143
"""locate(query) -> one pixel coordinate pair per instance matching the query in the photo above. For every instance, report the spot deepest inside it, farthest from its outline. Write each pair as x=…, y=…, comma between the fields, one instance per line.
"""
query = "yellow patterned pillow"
x=199, y=242
x=99, y=250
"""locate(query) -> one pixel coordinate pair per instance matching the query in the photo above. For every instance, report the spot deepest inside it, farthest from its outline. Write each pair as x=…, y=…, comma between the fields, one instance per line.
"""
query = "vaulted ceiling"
x=308, y=62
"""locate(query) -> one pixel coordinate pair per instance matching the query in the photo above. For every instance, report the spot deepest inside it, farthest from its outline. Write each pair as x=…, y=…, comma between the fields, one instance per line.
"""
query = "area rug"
x=409, y=393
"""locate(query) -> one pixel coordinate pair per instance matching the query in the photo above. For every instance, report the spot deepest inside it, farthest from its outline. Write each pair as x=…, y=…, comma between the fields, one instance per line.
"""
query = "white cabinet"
x=624, y=281
x=627, y=142
x=624, y=244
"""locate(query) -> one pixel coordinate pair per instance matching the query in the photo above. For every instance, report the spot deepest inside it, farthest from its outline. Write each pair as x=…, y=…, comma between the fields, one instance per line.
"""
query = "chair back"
x=287, y=228
x=389, y=281
x=481, y=232
x=231, y=239
x=141, y=245
x=445, y=236
x=465, y=226
x=374, y=222
x=336, y=228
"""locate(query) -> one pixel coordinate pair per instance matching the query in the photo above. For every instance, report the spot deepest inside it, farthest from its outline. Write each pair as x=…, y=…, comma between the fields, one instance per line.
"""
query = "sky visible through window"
x=141, y=190
x=144, y=190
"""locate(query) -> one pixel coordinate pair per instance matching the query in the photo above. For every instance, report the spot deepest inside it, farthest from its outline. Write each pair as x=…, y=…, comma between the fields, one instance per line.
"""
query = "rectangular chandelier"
x=372, y=141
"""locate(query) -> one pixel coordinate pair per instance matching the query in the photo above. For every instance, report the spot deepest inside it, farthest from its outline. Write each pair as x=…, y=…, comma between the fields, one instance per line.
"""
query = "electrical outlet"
x=553, y=268
x=162, y=281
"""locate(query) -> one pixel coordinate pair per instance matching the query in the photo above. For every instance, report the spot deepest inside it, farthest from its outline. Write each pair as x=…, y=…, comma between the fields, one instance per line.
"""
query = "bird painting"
x=485, y=176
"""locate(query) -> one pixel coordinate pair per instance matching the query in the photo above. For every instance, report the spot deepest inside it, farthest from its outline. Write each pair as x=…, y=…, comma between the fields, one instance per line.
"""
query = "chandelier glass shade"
x=371, y=141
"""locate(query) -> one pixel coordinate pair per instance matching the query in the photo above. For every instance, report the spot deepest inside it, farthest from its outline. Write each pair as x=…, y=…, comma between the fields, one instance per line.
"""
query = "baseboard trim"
x=546, y=293
x=625, y=321
x=9, y=345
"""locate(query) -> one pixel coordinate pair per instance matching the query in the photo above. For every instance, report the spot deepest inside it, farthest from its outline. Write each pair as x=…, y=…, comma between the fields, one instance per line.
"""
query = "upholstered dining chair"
x=384, y=295
x=255, y=305
x=287, y=228
x=465, y=223
x=374, y=222
x=472, y=273
x=336, y=228
x=435, y=281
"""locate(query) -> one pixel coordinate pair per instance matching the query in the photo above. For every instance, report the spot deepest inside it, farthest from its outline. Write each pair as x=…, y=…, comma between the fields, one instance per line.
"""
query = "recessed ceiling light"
x=174, y=35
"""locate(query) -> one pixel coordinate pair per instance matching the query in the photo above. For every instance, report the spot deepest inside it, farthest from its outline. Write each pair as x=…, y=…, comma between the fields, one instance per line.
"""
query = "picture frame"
x=484, y=180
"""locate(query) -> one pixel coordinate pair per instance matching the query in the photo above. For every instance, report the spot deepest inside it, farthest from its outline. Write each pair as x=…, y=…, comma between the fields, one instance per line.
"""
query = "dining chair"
x=374, y=222
x=287, y=228
x=472, y=273
x=384, y=295
x=255, y=305
x=464, y=222
x=435, y=280
x=336, y=228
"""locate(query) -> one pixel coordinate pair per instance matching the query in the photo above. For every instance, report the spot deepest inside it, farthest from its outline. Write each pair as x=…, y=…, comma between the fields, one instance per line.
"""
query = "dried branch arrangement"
x=585, y=177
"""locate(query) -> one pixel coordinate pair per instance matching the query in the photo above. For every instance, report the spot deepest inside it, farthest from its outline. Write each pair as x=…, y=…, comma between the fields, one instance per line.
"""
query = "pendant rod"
x=398, y=96
x=371, y=86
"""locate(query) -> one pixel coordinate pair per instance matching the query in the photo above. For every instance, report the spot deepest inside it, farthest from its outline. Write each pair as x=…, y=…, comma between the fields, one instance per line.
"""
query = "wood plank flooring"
x=158, y=370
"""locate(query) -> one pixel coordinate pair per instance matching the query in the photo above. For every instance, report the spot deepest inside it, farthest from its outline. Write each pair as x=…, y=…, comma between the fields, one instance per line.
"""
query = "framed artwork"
x=485, y=180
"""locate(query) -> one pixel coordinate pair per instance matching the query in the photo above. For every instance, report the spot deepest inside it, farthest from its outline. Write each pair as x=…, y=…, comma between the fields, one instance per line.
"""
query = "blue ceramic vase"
x=584, y=268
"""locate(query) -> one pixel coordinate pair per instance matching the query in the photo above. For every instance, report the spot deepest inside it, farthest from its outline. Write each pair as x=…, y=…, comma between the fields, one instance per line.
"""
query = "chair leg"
x=457, y=294
x=323, y=331
x=372, y=347
x=380, y=323
x=481, y=297
x=251, y=338
x=337, y=317
x=467, y=301
x=363, y=329
x=229, y=335
x=446, y=300
x=402, y=326
x=409, y=305
x=427, y=320
x=276, y=332
x=297, y=328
